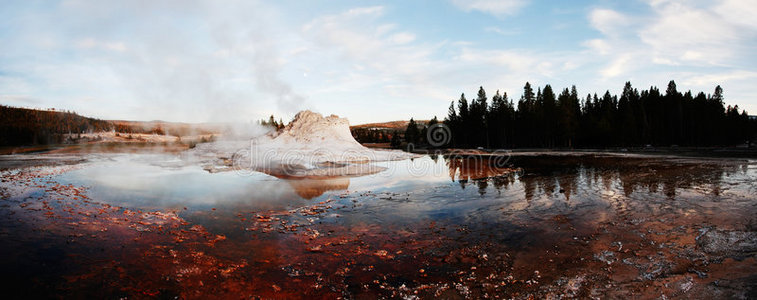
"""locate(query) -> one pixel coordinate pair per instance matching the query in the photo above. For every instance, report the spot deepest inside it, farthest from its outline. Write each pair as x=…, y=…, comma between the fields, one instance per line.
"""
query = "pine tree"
x=549, y=115
x=627, y=121
x=495, y=121
x=395, y=141
x=526, y=116
x=453, y=123
x=478, y=110
x=568, y=114
x=464, y=121
x=412, y=134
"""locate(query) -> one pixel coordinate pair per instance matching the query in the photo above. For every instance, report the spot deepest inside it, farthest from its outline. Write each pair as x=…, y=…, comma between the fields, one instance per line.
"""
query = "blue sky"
x=198, y=61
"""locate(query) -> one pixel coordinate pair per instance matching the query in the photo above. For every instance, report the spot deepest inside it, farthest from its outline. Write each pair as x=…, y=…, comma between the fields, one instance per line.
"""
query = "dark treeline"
x=414, y=132
x=417, y=132
x=122, y=127
x=272, y=123
x=560, y=119
x=21, y=126
x=370, y=135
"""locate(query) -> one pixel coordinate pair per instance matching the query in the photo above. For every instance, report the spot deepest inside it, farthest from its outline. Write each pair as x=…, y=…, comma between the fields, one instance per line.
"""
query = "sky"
x=370, y=61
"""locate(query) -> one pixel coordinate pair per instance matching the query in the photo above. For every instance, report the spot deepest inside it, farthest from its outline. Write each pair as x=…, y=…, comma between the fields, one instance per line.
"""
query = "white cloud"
x=365, y=11
x=680, y=28
x=617, y=67
x=699, y=44
x=616, y=47
x=495, y=7
x=711, y=80
x=570, y=65
x=600, y=46
x=608, y=21
x=678, y=33
x=500, y=31
x=402, y=38
x=343, y=30
x=91, y=43
x=737, y=84
x=365, y=41
x=207, y=61
x=515, y=61
x=364, y=53
x=739, y=12
x=702, y=34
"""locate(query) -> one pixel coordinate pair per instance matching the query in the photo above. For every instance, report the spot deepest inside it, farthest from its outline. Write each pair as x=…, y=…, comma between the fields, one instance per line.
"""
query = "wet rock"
x=656, y=270
x=318, y=248
x=699, y=273
x=607, y=257
x=383, y=254
x=737, y=244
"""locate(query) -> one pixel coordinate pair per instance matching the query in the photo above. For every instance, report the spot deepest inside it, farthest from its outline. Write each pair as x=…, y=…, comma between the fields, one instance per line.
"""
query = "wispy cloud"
x=608, y=21
x=515, y=61
x=497, y=8
x=245, y=60
x=368, y=53
x=617, y=46
x=678, y=40
x=718, y=78
x=685, y=33
x=91, y=43
x=501, y=31
x=618, y=66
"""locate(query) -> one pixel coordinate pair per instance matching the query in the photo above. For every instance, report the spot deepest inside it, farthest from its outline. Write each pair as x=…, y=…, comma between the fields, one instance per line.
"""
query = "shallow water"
x=578, y=225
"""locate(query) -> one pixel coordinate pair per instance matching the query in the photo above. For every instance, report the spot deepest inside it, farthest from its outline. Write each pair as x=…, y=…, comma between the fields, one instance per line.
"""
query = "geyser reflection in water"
x=568, y=217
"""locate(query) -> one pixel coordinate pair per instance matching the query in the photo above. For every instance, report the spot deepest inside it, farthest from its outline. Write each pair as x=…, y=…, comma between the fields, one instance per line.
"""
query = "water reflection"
x=476, y=167
x=312, y=188
x=549, y=175
x=262, y=235
x=428, y=184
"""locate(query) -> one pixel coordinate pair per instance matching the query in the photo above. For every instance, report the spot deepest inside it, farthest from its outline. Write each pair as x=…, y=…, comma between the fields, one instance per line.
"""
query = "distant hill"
x=392, y=125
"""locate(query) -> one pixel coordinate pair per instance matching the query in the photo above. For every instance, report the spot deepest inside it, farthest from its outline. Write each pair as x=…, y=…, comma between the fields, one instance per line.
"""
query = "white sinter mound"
x=309, y=146
x=311, y=130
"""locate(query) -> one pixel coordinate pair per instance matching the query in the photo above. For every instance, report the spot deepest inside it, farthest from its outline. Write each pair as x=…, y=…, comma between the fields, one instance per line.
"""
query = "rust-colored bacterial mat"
x=539, y=226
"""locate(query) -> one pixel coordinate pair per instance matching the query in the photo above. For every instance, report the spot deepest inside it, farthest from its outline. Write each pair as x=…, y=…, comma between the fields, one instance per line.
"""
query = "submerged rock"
x=736, y=244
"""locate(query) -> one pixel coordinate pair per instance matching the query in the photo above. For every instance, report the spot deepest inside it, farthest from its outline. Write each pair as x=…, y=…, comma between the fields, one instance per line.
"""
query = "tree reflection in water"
x=535, y=225
x=549, y=175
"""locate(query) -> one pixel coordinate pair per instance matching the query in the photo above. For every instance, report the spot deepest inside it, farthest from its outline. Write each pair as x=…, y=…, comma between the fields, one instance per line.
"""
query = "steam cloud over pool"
x=310, y=146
